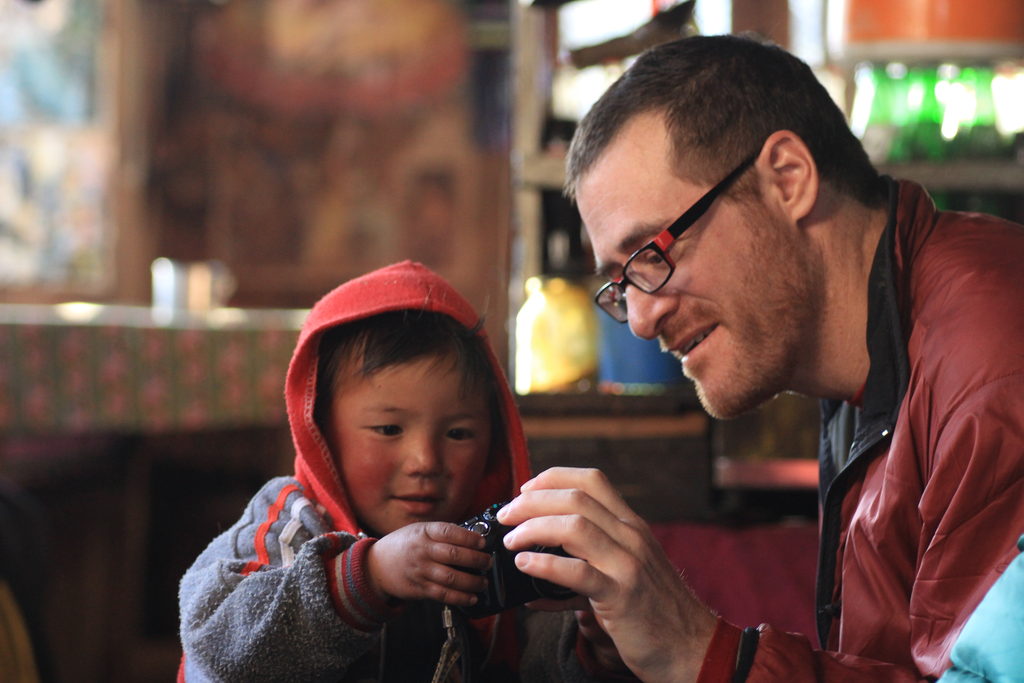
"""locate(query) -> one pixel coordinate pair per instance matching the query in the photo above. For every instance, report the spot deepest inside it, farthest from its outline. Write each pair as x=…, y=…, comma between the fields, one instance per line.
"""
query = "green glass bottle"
x=870, y=117
x=901, y=111
x=881, y=111
x=925, y=125
x=984, y=141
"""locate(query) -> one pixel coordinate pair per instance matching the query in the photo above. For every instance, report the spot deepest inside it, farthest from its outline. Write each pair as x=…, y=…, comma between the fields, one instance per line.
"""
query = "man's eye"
x=648, y=257
x=387, y=430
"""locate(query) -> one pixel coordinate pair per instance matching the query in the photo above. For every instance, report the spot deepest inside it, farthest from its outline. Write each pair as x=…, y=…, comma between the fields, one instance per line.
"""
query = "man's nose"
x=646, y=312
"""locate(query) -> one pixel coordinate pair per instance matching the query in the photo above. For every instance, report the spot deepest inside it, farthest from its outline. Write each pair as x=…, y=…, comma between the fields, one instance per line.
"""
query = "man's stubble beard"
x=775, y=327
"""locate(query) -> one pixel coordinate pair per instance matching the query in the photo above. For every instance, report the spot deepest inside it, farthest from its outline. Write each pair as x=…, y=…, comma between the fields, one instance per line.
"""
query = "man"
x=792, y=266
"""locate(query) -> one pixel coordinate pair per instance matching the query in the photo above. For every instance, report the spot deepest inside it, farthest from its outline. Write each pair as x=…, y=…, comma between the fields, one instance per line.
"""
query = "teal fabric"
x=991, y=645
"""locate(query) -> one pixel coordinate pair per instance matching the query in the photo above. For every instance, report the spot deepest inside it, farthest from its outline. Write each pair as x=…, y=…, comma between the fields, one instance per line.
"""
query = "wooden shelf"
x=969, y=176
x=781, y=473
x=675, y=399
x=616, y=427
x=547, y=172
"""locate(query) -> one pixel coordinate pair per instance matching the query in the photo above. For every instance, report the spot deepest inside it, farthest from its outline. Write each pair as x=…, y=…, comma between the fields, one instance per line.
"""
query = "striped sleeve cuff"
x=357, y=602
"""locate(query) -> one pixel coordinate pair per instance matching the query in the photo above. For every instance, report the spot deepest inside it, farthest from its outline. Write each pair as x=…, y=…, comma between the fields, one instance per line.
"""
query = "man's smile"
x=689, y=342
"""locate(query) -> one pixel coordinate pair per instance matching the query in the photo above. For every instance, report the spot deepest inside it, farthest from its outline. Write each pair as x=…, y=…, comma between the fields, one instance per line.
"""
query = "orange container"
x=933, y=29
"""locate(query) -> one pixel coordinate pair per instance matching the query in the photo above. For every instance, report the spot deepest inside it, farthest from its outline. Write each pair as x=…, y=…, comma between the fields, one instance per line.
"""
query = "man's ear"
x=790, y=173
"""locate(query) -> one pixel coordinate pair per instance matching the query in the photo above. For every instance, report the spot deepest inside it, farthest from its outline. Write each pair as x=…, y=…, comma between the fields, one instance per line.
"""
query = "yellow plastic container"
x=556, y=337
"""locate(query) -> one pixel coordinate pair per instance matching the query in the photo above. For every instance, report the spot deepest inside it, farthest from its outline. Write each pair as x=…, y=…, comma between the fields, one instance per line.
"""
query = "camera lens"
x=482, y=528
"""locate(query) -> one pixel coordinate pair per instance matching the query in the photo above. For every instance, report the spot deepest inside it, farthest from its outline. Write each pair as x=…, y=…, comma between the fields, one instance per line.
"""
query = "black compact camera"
x=507, y=586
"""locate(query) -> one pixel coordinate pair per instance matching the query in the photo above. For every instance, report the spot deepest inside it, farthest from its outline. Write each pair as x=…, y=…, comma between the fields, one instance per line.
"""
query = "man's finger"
x=591, y=481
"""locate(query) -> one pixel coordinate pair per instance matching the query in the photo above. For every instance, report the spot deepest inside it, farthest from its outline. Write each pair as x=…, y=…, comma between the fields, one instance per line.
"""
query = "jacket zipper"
x=825, y=609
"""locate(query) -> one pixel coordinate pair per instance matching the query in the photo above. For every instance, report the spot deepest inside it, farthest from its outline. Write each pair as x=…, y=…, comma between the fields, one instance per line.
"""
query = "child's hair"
x=404, y=336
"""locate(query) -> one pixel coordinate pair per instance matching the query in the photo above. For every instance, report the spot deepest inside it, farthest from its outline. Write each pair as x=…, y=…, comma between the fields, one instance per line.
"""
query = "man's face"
x=741, y=307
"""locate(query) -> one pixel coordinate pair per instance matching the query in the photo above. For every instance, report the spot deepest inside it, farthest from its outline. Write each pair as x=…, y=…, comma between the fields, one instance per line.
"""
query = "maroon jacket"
x=922, y=485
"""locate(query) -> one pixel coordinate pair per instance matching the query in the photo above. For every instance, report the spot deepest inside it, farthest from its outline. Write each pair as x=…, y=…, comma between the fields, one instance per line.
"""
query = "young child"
x=403, y=424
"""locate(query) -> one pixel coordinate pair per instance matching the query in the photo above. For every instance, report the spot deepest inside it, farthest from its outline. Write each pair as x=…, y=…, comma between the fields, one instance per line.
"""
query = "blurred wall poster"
x=306, y=142
x=55, y=149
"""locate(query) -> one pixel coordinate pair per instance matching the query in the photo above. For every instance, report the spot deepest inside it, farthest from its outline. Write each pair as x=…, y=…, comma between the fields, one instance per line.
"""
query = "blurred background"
x=180, y=180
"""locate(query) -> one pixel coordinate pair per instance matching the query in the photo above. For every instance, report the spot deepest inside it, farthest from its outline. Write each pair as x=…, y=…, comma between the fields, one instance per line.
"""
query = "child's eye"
x=460, y=433
x=387, y=430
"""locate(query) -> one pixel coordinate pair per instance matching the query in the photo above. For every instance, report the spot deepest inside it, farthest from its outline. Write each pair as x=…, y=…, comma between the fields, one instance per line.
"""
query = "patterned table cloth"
x=77, y=368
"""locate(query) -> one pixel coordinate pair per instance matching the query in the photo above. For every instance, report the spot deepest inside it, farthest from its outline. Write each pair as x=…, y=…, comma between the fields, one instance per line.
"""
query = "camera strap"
x=445, y=671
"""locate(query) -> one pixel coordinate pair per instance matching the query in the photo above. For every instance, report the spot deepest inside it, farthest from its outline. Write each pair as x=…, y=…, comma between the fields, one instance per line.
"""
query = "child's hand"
x=420, y=561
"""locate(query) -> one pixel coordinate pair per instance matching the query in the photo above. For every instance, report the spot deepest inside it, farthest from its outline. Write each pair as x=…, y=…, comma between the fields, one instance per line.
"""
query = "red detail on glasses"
x=664, y=240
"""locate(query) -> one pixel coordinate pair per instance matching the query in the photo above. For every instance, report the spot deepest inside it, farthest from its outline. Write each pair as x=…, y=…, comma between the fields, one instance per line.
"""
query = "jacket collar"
x=888, y=374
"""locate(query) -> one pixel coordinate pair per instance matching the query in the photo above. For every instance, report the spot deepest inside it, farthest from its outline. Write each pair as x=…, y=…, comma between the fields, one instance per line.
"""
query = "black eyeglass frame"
x=611, y=298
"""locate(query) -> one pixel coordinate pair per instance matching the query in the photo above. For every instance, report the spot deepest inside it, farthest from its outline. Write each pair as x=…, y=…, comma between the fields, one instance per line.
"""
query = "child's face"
x=409, y=447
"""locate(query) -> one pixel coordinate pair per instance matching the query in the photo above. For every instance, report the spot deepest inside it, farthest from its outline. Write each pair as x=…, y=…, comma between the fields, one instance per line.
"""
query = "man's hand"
x=637, y=597
x=601, y=645
x=420, y=561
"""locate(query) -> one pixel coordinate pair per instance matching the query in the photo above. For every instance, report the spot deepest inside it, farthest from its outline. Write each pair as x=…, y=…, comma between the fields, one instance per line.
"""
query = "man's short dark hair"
x=721, y=97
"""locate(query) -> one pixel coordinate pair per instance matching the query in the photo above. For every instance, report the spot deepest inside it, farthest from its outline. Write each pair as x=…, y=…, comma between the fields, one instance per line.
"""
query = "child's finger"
x=458, y=556
x=452, y=580
x=446, y=532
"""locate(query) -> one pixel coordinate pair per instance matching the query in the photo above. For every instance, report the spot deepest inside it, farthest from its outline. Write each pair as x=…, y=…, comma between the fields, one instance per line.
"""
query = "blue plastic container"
x=630, y=365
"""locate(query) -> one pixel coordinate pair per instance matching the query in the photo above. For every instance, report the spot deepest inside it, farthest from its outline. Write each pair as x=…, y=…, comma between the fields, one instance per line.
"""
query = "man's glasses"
x=650, y=266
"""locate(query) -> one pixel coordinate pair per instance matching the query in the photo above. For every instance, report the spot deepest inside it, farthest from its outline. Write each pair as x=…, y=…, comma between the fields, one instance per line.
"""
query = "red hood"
x=401, y=286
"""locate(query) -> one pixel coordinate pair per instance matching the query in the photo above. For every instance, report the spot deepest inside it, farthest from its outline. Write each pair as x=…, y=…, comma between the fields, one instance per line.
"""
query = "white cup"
x=195, y=287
